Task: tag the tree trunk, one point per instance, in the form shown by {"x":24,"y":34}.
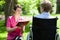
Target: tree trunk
{"x":58,"y":7}
{"x":9,"y":7}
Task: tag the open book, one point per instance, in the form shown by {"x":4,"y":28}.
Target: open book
{"x":23,"y":21}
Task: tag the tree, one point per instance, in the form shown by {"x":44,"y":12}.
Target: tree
{"x":29,"y":6}
{"x":58,"y":6}
{"x":9,"y":7}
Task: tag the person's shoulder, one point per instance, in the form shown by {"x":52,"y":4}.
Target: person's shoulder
{"x":52,"y":16}
{"x":10,"y":17}
{"x":37,"y":15}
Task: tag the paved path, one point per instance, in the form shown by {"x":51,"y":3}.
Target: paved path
{"x":2,"y":17}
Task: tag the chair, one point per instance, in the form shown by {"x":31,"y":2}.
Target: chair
{"x":44,"y":29}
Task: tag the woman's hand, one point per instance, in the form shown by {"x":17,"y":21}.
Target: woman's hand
{"x":21,"y":24}
{"x":22,"y":27}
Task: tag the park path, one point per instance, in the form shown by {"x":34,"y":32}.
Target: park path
{"x":2,"y":17}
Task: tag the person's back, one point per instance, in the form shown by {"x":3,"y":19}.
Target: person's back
{"x":44,"y":15}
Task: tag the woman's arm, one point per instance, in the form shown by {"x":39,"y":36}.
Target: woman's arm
{"x":8,"y":25}
{"x":11,"y":29}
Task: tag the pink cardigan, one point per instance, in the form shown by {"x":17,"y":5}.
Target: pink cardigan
{"x":11,"y":22}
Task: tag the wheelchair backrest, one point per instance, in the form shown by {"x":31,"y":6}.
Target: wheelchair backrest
{"x":44,"y":29}
{"x":44,"y":23}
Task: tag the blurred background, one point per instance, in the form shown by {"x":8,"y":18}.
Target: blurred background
{"x":29,"y":8}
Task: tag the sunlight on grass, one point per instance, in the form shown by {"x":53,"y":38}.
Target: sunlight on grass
{"x":25,"y":35}
{"x":3,"y":36}
{"x":58,"y":22}
{"x":58,"y":25}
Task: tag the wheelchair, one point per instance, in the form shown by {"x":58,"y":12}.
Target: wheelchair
{"x":43,"y":29}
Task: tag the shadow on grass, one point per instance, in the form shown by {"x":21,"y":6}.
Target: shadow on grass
{"x":2,"y":26}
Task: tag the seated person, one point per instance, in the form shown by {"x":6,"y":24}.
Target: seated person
{"x":42,"y":27}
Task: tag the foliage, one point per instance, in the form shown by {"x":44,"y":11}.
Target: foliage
{"x":29,"y":6}
{"x":2,"y":3}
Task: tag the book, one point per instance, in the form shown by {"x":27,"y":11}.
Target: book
{"x":23,"y":21}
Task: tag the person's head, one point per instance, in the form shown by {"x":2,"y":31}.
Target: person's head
{"x":17,"y":9}
{"x":45,"y":7}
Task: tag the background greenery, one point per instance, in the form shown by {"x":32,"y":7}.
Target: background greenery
{"x":29,"y":7}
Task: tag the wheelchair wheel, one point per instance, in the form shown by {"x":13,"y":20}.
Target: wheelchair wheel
{"x":29,"y":37}
{"x":57,"y":37}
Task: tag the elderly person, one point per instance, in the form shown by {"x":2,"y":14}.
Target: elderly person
{"x":45,"y":8}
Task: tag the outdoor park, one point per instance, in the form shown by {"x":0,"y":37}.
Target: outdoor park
{"x":29,"y":9}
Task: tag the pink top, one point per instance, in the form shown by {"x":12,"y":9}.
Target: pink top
{"x":11,"y":22}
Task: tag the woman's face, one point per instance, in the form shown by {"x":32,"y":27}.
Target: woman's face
{"x":18,"y":11}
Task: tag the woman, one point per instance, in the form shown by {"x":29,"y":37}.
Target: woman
{"x":12,"y":21}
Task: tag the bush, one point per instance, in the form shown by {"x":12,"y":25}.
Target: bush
{"x":29,"y":6}
{"x":2,"y":3}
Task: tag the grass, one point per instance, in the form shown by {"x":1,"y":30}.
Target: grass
{"x":3,"y":32}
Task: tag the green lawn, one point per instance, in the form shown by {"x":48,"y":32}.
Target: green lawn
{"x":3,"y":32}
